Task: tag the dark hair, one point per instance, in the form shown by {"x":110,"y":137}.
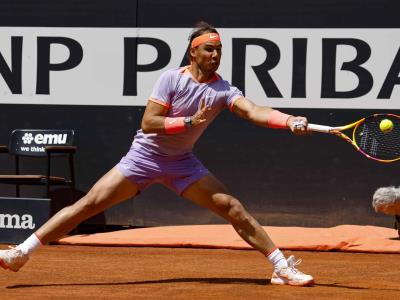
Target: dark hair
{"x":200,"y":28}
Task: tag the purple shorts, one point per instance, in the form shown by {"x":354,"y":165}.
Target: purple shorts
{"x":175,"y":172}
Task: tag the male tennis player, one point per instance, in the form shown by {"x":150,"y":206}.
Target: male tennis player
{"x":183,"y":103}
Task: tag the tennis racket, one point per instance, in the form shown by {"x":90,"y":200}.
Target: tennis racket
{"x":368,"y":138}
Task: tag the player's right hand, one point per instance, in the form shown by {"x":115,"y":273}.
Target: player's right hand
{"x":298,"y":125}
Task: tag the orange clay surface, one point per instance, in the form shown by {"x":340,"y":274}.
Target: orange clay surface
{"x":81,"y":272}
{"x":348,"y":238}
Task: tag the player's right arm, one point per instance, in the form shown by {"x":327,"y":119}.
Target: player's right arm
{"x":155,"y":118}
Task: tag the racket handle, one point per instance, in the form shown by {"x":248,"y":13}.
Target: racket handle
{"x":319,"y":128}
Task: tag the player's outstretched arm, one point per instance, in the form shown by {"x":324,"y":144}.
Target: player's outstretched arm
{"x":265,"y":116}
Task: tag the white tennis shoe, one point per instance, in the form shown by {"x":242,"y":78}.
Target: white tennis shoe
{"x":12,"y":259}
{"x":291,"y":275}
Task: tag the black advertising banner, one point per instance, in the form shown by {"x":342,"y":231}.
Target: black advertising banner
{"x":20,"y":217}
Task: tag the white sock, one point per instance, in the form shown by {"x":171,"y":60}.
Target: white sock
{"x":30,"y":244}
{"x":278,"y":260}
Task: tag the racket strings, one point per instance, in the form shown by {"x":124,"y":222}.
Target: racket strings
{"x":375,"y":143}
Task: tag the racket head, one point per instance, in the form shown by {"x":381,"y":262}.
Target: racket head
{"x":375,"y":144}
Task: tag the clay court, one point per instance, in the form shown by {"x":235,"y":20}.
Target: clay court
{"x":81,"y":272}
{"x":198,"y":268}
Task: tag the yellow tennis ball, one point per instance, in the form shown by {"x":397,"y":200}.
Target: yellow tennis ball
{"x":386,"y":126}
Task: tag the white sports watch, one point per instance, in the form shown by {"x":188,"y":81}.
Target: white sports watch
{"x":188,"y":121}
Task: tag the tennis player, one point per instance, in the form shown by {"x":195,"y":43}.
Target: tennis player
{"x":183,"y":103}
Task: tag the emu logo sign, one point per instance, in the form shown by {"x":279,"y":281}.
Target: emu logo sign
{"x":47,"y":139}
{"x":17,"y":222}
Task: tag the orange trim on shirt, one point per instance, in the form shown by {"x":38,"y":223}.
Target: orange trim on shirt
{"x":215,"y":78}
{"x":159,"y":102}
{"x":185,"y":70}
{"x":233,"y":102}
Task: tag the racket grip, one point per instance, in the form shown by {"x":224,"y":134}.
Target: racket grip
{"x":319,"y":128}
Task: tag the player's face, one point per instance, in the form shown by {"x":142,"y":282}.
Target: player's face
{"x":208,"y":55}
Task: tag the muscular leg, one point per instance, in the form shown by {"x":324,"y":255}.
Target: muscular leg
{"x":111,"y":189}
{"x":209,"y":192}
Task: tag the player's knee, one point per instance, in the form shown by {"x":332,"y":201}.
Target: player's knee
{"x":236,"y":212}
{"x":230,"y":208}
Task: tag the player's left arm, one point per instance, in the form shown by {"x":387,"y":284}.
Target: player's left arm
{"x":265,"y":116}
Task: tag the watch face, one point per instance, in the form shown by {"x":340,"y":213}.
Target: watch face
{"x":188,"y":121}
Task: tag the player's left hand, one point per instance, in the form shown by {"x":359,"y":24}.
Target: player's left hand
{"x":298,"y":125}
{"x":200,"y":116}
